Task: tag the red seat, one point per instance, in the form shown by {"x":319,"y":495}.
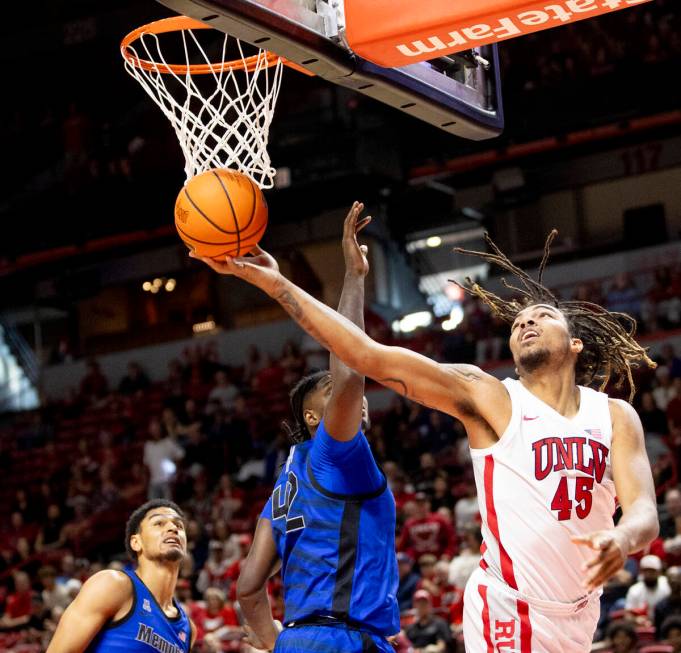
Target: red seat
{"x":646,"y":634}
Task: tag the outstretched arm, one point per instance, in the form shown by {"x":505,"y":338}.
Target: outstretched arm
{"x":636,"y":495}
{"x":344,"y":410}
{"x":463,"y":391}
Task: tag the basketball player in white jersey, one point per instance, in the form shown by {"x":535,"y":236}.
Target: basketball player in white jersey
{"x":551,"y":458}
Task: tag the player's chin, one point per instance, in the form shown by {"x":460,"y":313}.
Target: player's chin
{"x":171,"y":554}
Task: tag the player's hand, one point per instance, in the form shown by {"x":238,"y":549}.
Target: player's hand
{"x":253,"y":640}
{"x":355,"y":255}
{"x":612,"y":554}
{"x":258,"y":268}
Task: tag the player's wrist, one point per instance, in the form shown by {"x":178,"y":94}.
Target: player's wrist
{"x":276,"y":286}
{"x":277,"y":627}
{"x":623,"y":540}
{"x":354,"y":276}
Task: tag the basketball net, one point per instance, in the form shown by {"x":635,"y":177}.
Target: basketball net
{"x":223,"y":123}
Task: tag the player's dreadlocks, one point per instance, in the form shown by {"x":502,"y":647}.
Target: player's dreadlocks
{"x":610,"y":351}
{"x":298,"y":431}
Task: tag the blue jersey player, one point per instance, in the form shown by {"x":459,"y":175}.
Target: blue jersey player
{"x":330,"y":522}
{"x":135,"y":610}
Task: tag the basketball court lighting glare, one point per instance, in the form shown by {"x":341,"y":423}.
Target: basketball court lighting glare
{"x":170,"y":285}
{"x":413,"y":321}
{"x":434,"y":241}
{"x":202,"y":327}
{"x":454,"y":319}
{"x":146,"y":286}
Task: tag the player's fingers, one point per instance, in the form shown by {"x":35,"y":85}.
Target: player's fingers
{"x":583,"y":539}
{"x":602,"y":573}
{"x":594,"y":540}
{"x":258,"y":251}
{"x":603,"y":541}
{"x":609,"y":559}
{"x":234,"y":266}
{"x":596,"y":560}
{"x":211,"y":263}
{"x":350,"y":219}
{"x":362,"y":223}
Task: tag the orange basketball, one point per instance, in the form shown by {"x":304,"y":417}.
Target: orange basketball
{"x":221,"y":213}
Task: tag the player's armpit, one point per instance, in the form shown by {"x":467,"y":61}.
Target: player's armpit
{"x":101,"y":599}
{"x":633,"y":477}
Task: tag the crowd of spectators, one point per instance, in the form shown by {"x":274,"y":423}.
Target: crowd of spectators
{"x":653,"y":299}
{"x":595,"y":48}
{"x":76,"y":469}
{"x":201,"y":438}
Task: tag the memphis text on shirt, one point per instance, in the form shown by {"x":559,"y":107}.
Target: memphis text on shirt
{"x":505,"y":27}
{"x":147,"y":635}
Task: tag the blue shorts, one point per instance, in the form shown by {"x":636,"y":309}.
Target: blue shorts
{"x":329,"y":639}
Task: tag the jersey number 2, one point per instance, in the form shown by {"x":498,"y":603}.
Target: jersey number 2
{"x":280,"y":511}
{"x":583,"y":499}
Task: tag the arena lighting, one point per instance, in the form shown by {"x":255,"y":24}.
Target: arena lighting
{"x":462,"y":237}
{"x":454,"y":319}
{"x":434,"y":241}
{"x":202,"y":327}
{"x":155,"y":286}
{"x":412,"y":322}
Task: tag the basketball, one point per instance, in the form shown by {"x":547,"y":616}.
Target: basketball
{"x":220,"y":213}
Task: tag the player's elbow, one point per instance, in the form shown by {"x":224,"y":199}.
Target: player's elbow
{"x":362,"y":355}
{"x":247,"y":586}
{"x":654,"y":528}
{"x":650,"y":528}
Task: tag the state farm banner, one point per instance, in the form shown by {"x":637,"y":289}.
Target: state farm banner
{"x":395,"y":33}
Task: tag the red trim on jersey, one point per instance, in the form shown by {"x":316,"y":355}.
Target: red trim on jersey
{"x":482,"y":590}
{"x":525,"y":627}
{"x":506,"y":562}
{"x":483,"y":565}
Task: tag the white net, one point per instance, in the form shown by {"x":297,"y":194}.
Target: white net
{"x":221,"y":116}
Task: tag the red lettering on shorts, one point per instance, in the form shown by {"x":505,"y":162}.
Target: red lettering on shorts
{"x":504,"y":635}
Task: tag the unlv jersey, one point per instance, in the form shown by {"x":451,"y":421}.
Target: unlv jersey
{"x":546,"y":479}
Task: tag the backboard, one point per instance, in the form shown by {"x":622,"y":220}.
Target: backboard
{"x":460,"y":94}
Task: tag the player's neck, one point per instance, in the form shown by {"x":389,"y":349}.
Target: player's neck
{"x":161,"y":579}
{"x":556,"y":389}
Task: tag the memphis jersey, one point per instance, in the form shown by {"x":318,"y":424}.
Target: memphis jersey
{"x":146,"y":628}
{"x":546,"y":479}
{"x":337,"y":551}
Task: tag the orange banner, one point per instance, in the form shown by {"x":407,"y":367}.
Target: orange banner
{"x":394,"y":33}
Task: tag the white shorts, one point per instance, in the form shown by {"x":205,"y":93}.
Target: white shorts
{"x":496,"y":618}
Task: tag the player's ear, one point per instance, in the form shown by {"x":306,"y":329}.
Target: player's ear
{"x":136,"y":543}
{"x":576,"y":345}
{"x":311,"y":417}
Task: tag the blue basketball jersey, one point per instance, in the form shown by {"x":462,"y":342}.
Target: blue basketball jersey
{"x":337,"y":551}
{"x":145,"y":628}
